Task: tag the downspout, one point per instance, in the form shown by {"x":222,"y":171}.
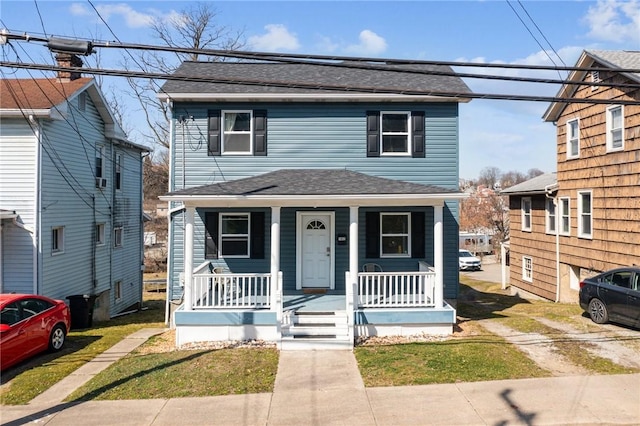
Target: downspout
{"x":37,"y":223}
{"x":548,"y":191}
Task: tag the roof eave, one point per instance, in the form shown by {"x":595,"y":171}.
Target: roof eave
{"x":308,"y":97}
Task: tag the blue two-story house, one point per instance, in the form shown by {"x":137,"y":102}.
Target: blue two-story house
{"x":312,"y":204}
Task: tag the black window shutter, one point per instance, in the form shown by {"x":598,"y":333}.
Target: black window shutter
{"x":417,"y":134}
{"x":373,"y":133}
{"x":372,"y":237}
{"x":214,"y":133}
{"x":260,"y":132}
{"x":257,"y":235}
{"x":211,"y":236}
{"x":417,"y":235}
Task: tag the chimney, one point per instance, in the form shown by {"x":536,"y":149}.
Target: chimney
{"x":67,"y":60}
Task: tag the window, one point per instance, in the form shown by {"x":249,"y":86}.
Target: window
{"x":551,"y":216}
{"x":615,"y":128}
{"x":527,"y":268}
{"x":57,"y":239}
{"x":117,"y":290}
{"x":619,"y":279}
{"x":585,"y":217}
{"x":573,"y":139}
{"x":526,"y":213}
{"x":236,"y":135}
{"x":118,"y":171}
{"x":99,"y":234}
{"x":565,"y":222}
{"x":82,"y":101}
{"x":595,"y":78}
{"x":99,"y":161}
{"x":395,"y":230}
{"x":234,"y":235}
{"x":395,"y":133}
{"x":117,"y":236}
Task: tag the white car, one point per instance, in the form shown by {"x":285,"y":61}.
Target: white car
{"x":468,"y":262}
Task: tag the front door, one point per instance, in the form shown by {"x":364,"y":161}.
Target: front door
{"x":315,"y":249}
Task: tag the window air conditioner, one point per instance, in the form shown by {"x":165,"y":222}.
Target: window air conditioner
{"x":101,"y":182}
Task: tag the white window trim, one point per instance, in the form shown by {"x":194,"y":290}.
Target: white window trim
{"x":223,"y":132}
{"x":610,"y":147}
{"x":408,"y":235}
{"x":60,"y":233}
{"x":117,"y":229}
{"x":527,"y":274}
{"x":221,"y":235}
{"x":581,"y":213}
{"x":383,"y":133}
{"x":524,"y":214}
{"x":568,"y":137}
{"x":562,"y":214}
{"x":100,"y":153}
{"x":549,"y":219}
{"x":100,"y":235}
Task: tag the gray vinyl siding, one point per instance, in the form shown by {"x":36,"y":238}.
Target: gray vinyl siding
{"x":322,"y":135}
{"x":18,"y":183}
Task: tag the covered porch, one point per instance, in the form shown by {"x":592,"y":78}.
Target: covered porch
{"x":405,"y":297}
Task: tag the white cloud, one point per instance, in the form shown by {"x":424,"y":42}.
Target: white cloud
{"x":614,"y":21}
{"x":370,"y":44}
{"x":277,"y":38}
{"x":132,"y":18}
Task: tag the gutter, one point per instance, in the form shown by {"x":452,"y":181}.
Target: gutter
{"x":549,"y":190}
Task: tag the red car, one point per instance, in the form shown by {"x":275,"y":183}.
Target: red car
{"x":30,"y":324}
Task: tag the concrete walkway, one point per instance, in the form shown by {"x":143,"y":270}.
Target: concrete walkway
{"x":325,"y":388}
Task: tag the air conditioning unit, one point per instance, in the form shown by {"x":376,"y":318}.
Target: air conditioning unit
{"x":101,"y":182}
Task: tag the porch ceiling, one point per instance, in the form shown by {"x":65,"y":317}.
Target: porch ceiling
{"x":315,"y":188}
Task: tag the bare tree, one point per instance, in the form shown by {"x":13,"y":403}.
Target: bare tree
{"x":195,"y":28}
{"x":489,"y":177}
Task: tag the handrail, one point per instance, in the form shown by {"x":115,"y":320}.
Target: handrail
{"x":230,"y":290}
{"x":396,"y":289}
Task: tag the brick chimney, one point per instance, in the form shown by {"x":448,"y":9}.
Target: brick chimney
{"x":68,"y":60}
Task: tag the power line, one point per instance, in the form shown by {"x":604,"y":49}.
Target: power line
{"x":328,"y":87}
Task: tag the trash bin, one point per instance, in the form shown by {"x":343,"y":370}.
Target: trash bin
{"x":81,"y":307}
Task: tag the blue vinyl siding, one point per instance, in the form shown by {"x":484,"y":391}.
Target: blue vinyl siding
{"x":318,"y":135}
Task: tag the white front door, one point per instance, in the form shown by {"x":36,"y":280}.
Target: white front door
{"x":315,"y":249}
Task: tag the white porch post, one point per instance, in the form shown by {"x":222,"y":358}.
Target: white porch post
{"x":438,"y":255}
{"x":353,"y":244}
{"x":188,"y":258}
{"x":275,"y":255}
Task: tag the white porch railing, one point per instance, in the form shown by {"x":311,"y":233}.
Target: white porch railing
{"x":227,"y":290}
{"x":396,"y":289}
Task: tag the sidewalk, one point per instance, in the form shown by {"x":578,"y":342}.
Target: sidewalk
{"x":325,"y":388}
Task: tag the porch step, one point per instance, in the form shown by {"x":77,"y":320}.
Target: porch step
{"x":315,"y":330}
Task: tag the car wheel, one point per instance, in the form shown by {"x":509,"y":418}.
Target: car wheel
{"x":598,"y":311}
{"x":56,"y":338}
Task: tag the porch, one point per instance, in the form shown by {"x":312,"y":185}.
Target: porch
{"x":247,"y":306}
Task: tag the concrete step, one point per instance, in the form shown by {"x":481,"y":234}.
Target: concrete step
{"x":290,"y":343}
{"x":315,"y":331}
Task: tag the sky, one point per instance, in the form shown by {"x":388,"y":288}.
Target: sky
{"x":509,"y":135}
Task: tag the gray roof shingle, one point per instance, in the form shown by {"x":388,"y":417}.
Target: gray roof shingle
{"x":535,"y":185}
{"x":309,"y":74}
{"x":622,"y":59}
{"x":316,"y":182}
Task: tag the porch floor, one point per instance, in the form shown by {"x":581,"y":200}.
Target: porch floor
{"x":314,"y":302}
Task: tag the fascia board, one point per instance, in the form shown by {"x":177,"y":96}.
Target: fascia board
{"x":305,"y":97}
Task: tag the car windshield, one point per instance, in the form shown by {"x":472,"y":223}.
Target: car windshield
{"x":465,"y":254}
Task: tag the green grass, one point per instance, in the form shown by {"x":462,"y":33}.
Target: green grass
{"x":184,"y":374}
{"x":457,"y":360}
{"x":23,"y":383}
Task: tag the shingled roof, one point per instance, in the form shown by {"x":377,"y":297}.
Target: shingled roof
{"x":536,"y":185}
{"x":314,"y":182}
{"x":282,"y":78}
{"x":37,"y":93}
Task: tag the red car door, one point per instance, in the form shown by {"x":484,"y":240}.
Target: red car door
{"x":14,"y":338}
{"x":36,"y":324}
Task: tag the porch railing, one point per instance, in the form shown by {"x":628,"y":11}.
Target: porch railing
{"x":227,"y":290}
{"x":396,"y":289}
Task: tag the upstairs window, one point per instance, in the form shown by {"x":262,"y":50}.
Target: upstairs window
{"x":395,"y":133}
{"x":117,"y":236}
{"x":573,"y":139}
{"x":100,"y":162}
{"x":585,"y":217}
{"x":565,"y":217}
{"x":395,"y":229}
{"x":526,"y":214}
{"x":57,"y":240}
{"x":118,"y":167}
{"x":100,"y":233}
{"x":615,"y":128}
{"x":237,"y":132}
{"x":551,"y":216}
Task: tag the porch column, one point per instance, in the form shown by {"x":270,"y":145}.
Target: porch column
{"x":438,"y":255}
{"x":353,"y":246}
{"x":188,"y":258}
{"x":275,"y":254}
